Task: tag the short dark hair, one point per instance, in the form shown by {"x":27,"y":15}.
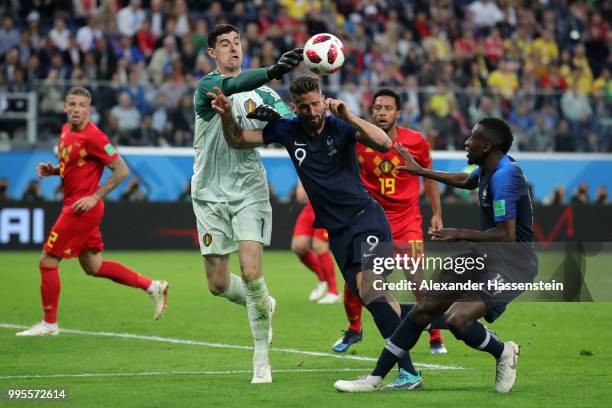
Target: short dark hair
{"x":218,"y":30}
{"x":498,"y":132}
{"x":303,"y":84}
{"x":78,"y":91}
{"x":388,"y":92}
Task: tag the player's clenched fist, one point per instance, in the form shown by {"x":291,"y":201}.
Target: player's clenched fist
{"x":45,"y":170}
{"x":338,"y":108}
{"x":220,"y":103}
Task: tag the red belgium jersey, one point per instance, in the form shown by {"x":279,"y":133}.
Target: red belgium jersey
{"x":397,"y":192}
{"x":82,"y":158}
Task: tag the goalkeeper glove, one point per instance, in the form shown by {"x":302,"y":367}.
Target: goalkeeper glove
{"x":286,"y":63}
{"x":265,"y":113}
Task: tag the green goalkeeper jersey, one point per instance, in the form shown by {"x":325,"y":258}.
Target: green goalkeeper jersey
{"x":220,"y":172}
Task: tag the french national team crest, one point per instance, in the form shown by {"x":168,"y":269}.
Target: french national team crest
{"x":207,"y":240}
{"x":249,"y":105}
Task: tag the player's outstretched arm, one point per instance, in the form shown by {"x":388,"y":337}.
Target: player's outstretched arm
{"x":119,"y":172}
{"x":459,"y":180}
{"x":368,"y":134}
{"x":234,"y":134}
{"x":47,"y":169}
{"x":254,"y":78}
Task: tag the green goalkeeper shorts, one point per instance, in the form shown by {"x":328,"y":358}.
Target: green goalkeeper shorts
{"x":222,"y":225}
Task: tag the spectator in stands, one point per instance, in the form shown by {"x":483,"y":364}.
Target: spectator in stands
{"x":4,"y":194}
{"x":577,"y":110}
{"x":486,"y":108}
{"x":135,"y":90}
{"x":557,"y":197}
{"x":601,"y":198}
{"x":145,"y":39}
{"x":180,"y":14}
{"x":60,"y":35}
{"x":128,"y":50}
{"x":449,"y":195}
{"x":522,"y":121}
{"x":89,"y":34}
{"x":539,"y":138}
{"x":9,"y":35}
{"x":185,"y":196}
{"x":564,"y":141}
{"x":183,"y":120}
{"x":130,"y":18}
{"x":73,"y":55}
{"x":162,"y":57}
{"x":105,"y":59}
{"x":32,"y":192}
{"x":503,"y":80}
{"x":147,"y":134}
{"x":133,"y":193}
{"x":125,"y":121}
{"x":485,"y":12}
{"x":581,"y":196}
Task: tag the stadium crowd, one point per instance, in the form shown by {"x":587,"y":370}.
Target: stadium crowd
{"x":542,"y":65}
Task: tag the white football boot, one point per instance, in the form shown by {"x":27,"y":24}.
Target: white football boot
{"x":40,"y":329}
{"x":318,"y":292}
{"x":505,"y":371}
{"x":159,"y":296}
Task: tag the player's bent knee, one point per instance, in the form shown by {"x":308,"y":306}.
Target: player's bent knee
{"x":457,"y":322}
{"x":47,"y":261}
{"x":215,"y":288}
{"x":250,"y":272}
{"x":299,"y":247}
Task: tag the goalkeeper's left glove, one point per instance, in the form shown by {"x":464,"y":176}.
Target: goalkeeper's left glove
{"x":265,"y":113}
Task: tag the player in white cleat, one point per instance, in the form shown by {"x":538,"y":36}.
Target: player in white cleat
{"x":159,"y":295}
{"x":329,"y":299}
{"x":505,"y":371}
{"x":369,"y":383}
{"x":318,"y":292}
{"x":40,"y":329}
{"x":262,"y":373}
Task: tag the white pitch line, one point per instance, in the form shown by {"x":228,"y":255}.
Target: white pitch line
{"x":169,"y":373}
{"x":226,"y":346}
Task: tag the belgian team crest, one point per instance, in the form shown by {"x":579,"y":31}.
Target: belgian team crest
{"x":386,"y":167}
{"x":207,"y":240}
{"x":249,"y":105}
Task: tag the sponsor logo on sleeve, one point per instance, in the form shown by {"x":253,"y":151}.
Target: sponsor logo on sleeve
{"x":110,"y":150}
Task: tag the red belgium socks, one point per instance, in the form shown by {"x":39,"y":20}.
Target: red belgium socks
{"x":352,"y":307}
{"x":311,"y":261}
{"x":328,"y":271}
{"x":49,"y":292}
{"x":122,"y":274}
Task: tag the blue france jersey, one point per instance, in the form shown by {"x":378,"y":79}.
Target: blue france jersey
{"x":504,"y":195}
{"x":327,"y":166}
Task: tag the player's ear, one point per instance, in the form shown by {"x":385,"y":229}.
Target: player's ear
{"x":293,"y":107}
{"x":211,"y":52}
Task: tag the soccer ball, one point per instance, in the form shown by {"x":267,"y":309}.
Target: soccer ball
{"x":323,"y":54}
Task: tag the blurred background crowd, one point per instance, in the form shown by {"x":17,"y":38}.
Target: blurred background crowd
{"x":542,"y":65}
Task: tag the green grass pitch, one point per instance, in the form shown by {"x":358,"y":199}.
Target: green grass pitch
{"x":566,"y":348}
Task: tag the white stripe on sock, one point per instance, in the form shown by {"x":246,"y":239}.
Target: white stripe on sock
{"x":485,"y":342}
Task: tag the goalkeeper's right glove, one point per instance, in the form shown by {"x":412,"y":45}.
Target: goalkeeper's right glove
{"x":286,"y":63}
{"x":265,"y":113}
